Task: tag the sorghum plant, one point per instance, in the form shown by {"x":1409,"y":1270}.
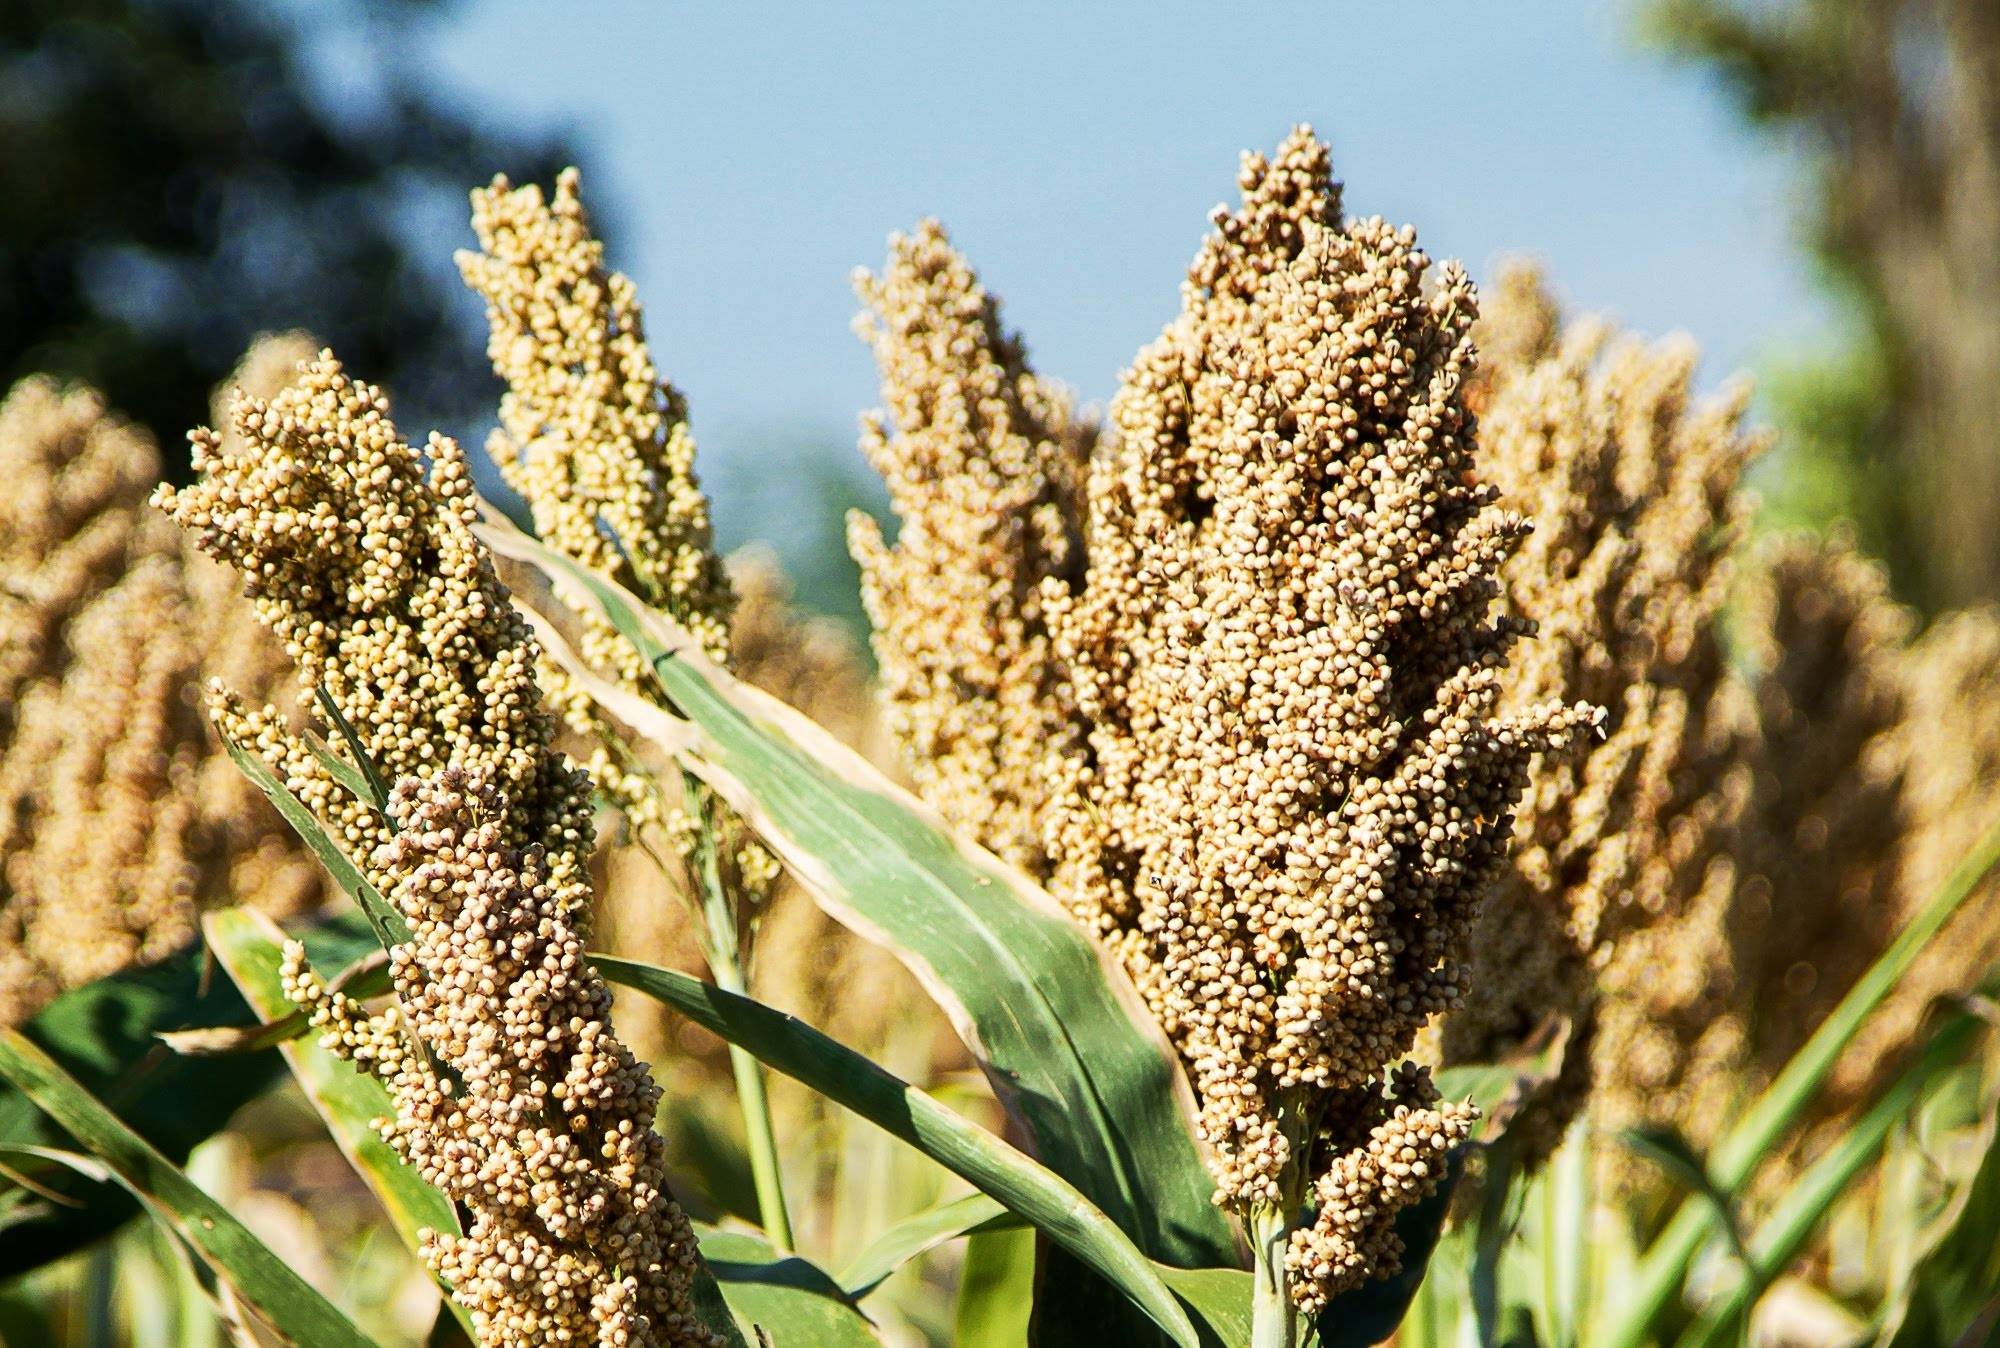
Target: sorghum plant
{"x":513,"y":1095}
{"x":1285,"y":780}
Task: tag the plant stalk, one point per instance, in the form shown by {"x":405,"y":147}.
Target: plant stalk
{"x":1274,"y":1320}
{"x":721,"y":944}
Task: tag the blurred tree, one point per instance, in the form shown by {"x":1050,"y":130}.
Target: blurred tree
{"x":181,"y":174}
{"x":1898,"y":105}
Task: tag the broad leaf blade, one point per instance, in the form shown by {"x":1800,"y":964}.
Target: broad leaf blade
{"x":250,"y":948}
{"x":259,"y":1276}
{"x":996,"y":1290}
{"x":843,"y":1076}
{"x":787,"y":1297}
{"x":1072,"y":1052}
{"x":105,"y":1034}
{"x":925,"y":1231}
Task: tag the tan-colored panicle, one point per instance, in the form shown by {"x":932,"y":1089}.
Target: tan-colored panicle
{"x":119,"y":816}
{"x":590,"y":435}
{"x":1297,"y":780}
{"x":543,"y":1131}
{"x":984,"y":462}
{"x":1633,"y":486}
{"x":598,"y":444}
{"x":366,"y":569}
{"x":523,"y":1106}
{"x":1948,"y":752}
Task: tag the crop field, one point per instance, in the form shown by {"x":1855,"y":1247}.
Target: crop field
{"x":1381,"y":832}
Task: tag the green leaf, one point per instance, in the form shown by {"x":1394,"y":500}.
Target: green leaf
{"x":1071,"y":1050}
{"x":996,"y":1290}
{"x":260,"y":1277}
{"x":362,"y":779}
{"x":925,"y":1231}
{"x":1219,"y":1299}
{"x":791,"y":1299}
{"x":1563,"y":1250}
{"x":250,"y":948}
{"x":390,"y":929}
{"x":843,"y":1076}
{"x":1676,"y":1158}
{"x":1656,"y":1289}
{"x":105,"y":1034}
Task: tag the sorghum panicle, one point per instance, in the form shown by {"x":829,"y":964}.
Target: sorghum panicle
{"x":984,"y":462}
{"x":1633,"y":485}
{"x":543,"y":1129}
{"x":521,"y":1105}
{"x":1298,"y":780}
{"x":599,"y":446}
{"x":119,"y":817}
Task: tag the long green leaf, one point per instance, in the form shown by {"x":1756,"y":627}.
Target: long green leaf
{"x":250,"y":948}
{"x":1070,"y":1049}
{"x":925,"y":1231}
{"x":106,"y":1035}
{"x":1664,"y":1268}
{"x":260,"y":1277}
{"x":390,"y":928}
{"x":792,"y":1300}
{"x":843,"y":1076}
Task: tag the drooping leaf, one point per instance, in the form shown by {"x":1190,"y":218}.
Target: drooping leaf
{"x":1798,"y":1212}
{"x":105,"y":1034}
{"x":1956,"y":1279}
{"x":789,"y":1298}
{"x":788,"y":1045}
{"x":1219,"y":1299}
{"x":1072,"y":1052}
{"x":259,"y":1277}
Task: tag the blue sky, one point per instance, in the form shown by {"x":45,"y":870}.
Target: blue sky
{"x":753,"y":154}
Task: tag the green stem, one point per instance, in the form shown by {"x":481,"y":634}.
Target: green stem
{"x":721,"y":946}
{"x":1274,"y":1321}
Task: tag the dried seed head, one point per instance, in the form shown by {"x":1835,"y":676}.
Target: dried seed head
{"x":368,"y":573}
{"x":119,"y":817}
{"x":984,"y":463}
{"x":1633,"y":487}
{"x":522,"y":1106}
{"x":590,"y":434}
{"x":599,"y":446}
{"x":1296,"y":781}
